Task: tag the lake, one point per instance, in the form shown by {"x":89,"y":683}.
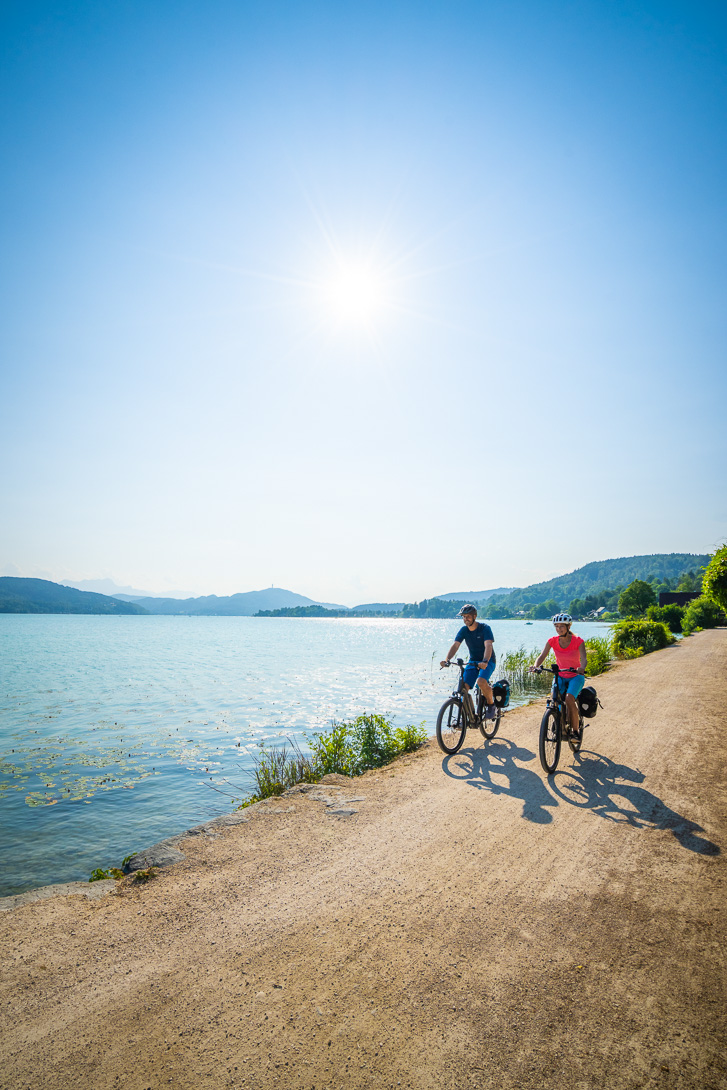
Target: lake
{"x":116,"y":732}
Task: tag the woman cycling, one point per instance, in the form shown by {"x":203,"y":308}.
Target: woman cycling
{"x":570,"y":654}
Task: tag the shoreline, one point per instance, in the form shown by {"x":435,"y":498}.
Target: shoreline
{"x":436,"y":922}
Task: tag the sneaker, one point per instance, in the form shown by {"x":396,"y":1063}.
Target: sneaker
{"x":491,"y":711}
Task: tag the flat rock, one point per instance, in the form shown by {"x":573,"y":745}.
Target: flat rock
{"x":91,"y":890}
{"x":163,"y":854}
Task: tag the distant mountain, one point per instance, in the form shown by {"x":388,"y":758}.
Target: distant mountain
{"x":125,"y":594}
{"x":245,"y":604}
{"x":379,"y":607}
{"x":474,"y":595}
{"x":42,"y":596}
{"x":600,"y":575}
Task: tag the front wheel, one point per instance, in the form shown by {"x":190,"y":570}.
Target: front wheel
{"x":450,"y":726}
{"x":549,"y":741}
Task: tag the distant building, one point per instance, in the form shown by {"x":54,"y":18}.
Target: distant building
{"x":677,"y":597}
{"x":596,"y":613}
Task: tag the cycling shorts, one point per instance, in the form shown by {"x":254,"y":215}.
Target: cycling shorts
{"x":571,"y":685}
{"x":472,"y":672}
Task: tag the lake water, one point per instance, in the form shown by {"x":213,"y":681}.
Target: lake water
{"x":116,"y":732}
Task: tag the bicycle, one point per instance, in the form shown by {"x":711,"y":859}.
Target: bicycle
{"x":459,"y":712}
{"x":555,"y":725}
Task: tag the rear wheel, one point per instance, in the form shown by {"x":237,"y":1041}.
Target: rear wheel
{"x":451,"y":726}
{"x":575,"y":743}
{"x":549,"y":741}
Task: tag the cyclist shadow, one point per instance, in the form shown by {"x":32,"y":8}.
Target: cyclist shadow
{"x":596,"y":783}
{"x":477,"y":766}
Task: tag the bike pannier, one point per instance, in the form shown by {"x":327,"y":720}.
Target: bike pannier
{"x":501,"y":693}
{"x":588,"y":702}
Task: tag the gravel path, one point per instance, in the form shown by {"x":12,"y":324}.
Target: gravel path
{"x":443,"y":923}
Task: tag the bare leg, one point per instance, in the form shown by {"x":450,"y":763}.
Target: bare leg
{"x":572,"y":712}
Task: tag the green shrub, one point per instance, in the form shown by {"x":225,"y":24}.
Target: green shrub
{"x":369,"y":741}
{"x":632,"y":638}
{"x":99,"y":875}
{"x":701,"y":613}
{"x":670,"y":615}
{"x":714,"y":584}
{"x":599,"y":652}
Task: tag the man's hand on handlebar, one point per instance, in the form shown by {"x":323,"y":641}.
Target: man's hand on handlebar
{"x":443,"y":663}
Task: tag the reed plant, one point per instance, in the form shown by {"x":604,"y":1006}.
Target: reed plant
{"x":515,"y":666}
{"x":349,"y":748}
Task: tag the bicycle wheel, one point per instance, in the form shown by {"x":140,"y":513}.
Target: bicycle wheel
{"x":490,"y":727}
{"x":450,"y":726}
{"x":575,"y":743}
{"x":549,"y":741}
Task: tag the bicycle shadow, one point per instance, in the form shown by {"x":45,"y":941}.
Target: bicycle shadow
{"x":596,"y":783}
{"x":477,"y":765}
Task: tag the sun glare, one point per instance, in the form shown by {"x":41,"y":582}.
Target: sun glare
{"x":355,"y":294}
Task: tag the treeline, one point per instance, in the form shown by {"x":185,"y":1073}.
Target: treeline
{"x":597,"y":584}
{"x":429,"y":607}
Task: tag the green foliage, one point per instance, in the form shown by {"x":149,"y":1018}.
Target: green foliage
{"x":599,"y":652}
{"x":636,"y":599}
{"x":714,"y":584}
{"x":144,"y":875}
{"x":690,"y":582}
{"x":670,"y":615}
{"x":545,"y":610}
{"x":598,"y":577}
{"x":99,"y":875}
{"x":632,"y":638}
{"x":348,"y":748}
{"x":701,"y":613}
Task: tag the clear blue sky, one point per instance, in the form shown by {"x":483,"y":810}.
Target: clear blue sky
{"x":329,"y":295}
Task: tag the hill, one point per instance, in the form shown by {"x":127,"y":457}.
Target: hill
{"x":43,"y":596}
{"x":474,"y":595}
{"x":599,"y":575}
{"x":245,"y":604}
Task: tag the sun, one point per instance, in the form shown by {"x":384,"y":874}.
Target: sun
{"x":355,"y":293}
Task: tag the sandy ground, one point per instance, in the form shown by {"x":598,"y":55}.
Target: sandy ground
{"x":470,"y":925}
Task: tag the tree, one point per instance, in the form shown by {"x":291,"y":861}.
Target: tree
{"x":715,"y":578}
{"x":636,"y":599}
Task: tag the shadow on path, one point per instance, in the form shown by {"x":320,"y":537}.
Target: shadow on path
{"x":599,"y":784}
{"x":478,"y":765}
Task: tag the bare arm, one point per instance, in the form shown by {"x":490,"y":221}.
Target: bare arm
{"x":584,"y":657}
{"x":488,"y":654}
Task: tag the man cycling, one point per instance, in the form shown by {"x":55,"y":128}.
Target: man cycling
{"x":570,"y":654}
{"x":481,"y":666}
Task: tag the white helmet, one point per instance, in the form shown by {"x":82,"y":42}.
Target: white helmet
{"x":562,"y":618}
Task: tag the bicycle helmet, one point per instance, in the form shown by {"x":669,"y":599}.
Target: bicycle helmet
{"x":467,"y":609}
{"x":562,"y":618}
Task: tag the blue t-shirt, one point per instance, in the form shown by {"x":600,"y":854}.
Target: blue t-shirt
{"x":476,"y":641}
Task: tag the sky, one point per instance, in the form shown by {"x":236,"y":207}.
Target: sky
{"x":371,"y":302}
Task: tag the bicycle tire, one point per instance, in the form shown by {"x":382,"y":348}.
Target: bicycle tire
{"x":576,"y":743}
{"x":490,"y":727}
{"x":451,"y":727}
{"x":549,"y":744}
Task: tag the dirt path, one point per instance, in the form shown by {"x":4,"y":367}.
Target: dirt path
{"x":471,"y":925}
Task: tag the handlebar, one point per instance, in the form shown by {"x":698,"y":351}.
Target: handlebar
{"x":555,"y":669}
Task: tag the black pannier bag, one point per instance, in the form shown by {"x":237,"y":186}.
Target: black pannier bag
{"x":588,"y":702}
{"x":501,"y":693}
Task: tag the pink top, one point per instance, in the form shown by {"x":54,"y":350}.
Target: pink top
{"x":568,"y":658}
